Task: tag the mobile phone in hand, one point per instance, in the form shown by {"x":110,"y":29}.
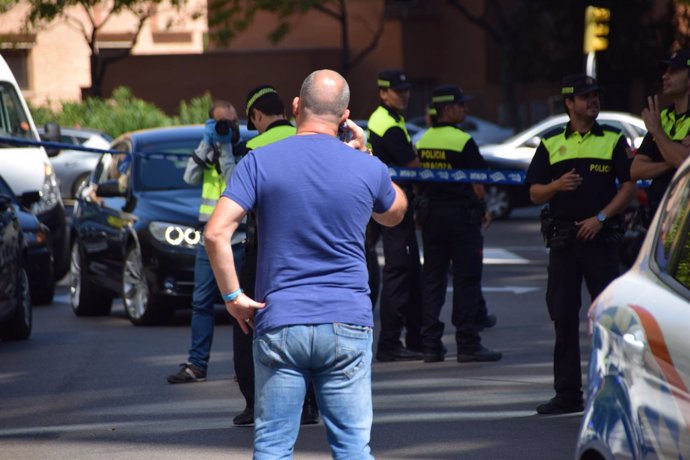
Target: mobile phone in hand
{"x":344,"y":133}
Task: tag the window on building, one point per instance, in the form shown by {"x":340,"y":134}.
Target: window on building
{"x":18,"y":60}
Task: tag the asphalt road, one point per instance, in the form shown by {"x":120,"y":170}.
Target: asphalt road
{"x":94,"y":388}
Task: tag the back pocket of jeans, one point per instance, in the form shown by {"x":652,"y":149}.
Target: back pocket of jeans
{"x":353,"y":348}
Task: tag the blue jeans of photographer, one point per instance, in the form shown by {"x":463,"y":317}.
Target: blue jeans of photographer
{"x":204,"y":299}
{"x":337,"y":358}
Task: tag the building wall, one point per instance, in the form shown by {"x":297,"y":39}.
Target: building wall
{"x":58,"y":57}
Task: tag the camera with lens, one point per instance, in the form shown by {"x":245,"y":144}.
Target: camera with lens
{"x":223,"y":127}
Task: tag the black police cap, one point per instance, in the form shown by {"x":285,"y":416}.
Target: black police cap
{"x":680,"y":59}
{"x":574,"y":85}
{"x":253,"y":96}
{"x":448,"y":93}
{"x":393,"y":79}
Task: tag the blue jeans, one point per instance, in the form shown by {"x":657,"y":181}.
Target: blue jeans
{"x":204,"y":298}
{"x":337,"y":358}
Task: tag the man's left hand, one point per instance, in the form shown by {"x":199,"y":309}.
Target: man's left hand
{"x":243,"y":309}
{"x":588,"y":228}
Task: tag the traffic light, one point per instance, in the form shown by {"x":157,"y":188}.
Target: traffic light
{"x":596,"y":29}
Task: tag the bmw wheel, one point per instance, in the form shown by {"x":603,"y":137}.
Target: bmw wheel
{"x":18,"y":327}
{"x":142,"y":307}
{"x":498,"y":201}
{"x":87,"y":298}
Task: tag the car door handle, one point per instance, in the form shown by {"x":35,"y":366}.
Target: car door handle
{"x":634,"y":343}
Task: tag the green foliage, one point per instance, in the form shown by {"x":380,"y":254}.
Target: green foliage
{"x":194,"y":111}
{"x":229,"y":17}
{"x":121,"y":113}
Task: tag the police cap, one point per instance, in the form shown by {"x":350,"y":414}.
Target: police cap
{"x":680,"y":59}
{"x":256,"y":98}
{"x":574,"y":85}
{"x":393,"y":79}
{"x":448,"y":94}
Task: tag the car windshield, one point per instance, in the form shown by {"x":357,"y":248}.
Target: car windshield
{"x":160,"y":166}
{"x":14,"y":121}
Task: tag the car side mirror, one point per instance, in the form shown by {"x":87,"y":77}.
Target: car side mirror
{"x":51,"y":133}
{"x":29,"y":198}
{"x":108,"y":189}
{"x":533,"y":141}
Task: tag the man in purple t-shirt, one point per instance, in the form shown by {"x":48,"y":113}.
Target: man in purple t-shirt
{"x":313,"y":197}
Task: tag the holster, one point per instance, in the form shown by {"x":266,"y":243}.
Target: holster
{"x":557,"y":233}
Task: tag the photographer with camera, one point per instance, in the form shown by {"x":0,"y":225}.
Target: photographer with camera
{"x":212,"y":164}
{"x":575,"y":170}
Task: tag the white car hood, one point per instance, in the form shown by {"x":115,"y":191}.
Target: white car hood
{"x":23,"y":168}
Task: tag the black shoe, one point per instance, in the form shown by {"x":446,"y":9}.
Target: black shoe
{"x":558,"y":405}
{"x":310,"y":415}
{"x":434,"y":357}
{"x":488,"y":322}
{"x":398,"y":354}
{"x":188,"y":373}
{"x":244,"y":418}
{"x":481,"y":355}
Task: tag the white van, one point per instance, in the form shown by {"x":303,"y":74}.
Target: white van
{"x":27,"y":168}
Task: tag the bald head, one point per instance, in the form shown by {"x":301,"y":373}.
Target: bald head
{"x":325,"y":94}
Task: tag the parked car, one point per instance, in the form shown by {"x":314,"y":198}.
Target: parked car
{"x":638,"y":397}
{"x":73,"y":167}
{"x":138,"y":242}
{"x":27,"y":167}
{"x":39,"y":251}
{"x":519,"y":150}
{"x":15,"y":306}
{"x":482,"y":131}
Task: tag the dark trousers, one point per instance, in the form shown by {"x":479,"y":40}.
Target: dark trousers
{"x":401,"y":286}
{"x":372,"y":237}
{"x":596,"y":263}
{"x":449,"y":236}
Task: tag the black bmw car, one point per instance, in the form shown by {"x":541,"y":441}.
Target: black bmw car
{"x":15,"y":307}
{"x":39,"y":248}
{"x":134,"y":228}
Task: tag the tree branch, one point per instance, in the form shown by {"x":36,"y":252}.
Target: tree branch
{"x":479,"y":21}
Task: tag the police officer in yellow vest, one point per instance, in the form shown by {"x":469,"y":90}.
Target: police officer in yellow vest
{"x":451,"y":219}
{"x":401,"y":278}
{"x":211,"y":164}
{"x":575,"y":170}
{"x":662,"y":150}
{"x":266,"y":114}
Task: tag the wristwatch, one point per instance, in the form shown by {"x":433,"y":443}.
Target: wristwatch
{"x":601,"y":217}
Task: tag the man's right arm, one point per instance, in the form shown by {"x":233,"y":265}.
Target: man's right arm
{"x":396,"y":212}
{"x":643,"y":167}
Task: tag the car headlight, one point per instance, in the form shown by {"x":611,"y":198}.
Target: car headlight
{"x":50,"y":193}
{"x":175,"y":234}
{"x":36,"y":238}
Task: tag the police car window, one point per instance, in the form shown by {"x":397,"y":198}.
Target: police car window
{"x":13,"y":119}
{"x":672,"y":253}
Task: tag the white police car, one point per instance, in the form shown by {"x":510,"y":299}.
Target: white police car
{"x":638,"y":397}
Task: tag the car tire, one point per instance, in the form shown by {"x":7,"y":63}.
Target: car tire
{"x":18,"y":327}
{"x":87,"y":298}
{"x":498,"y":201}
{"x":141,"y":306}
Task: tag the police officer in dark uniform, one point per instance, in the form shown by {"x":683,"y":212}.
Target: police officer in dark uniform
{"x":265,"y":113}
{"x":401,"y":278}
{"x":451,"y":217}
{"x":662,"y":150}
{"x":574,"y":170}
